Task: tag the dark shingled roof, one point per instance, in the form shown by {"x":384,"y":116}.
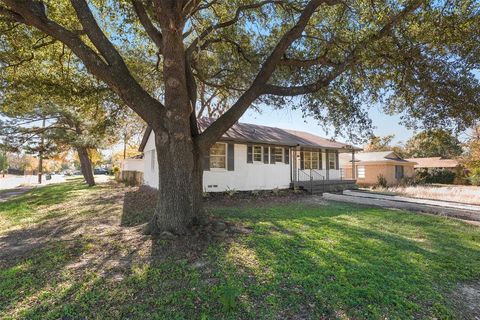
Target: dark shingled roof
{"x":252,"y":133}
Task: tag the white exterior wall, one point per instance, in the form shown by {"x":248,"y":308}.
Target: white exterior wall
{"x":133,"y":165}
{"x":150,"y":164}
{"x":246,"y":176}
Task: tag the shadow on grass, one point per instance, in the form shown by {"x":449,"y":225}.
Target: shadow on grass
{"x":333,"y":261}
{"x":138,"y":206}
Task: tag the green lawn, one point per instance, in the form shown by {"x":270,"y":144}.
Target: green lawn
{"x":298,"y":262}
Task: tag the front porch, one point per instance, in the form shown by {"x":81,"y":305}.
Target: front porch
{"x":318,"y":170}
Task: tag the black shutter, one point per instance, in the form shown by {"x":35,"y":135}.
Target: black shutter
{"x":206,"y":161}
{"x":320,"y":160}
{"x":327,"y":162}
{"x":287,"y":155}
{"x":302,"y":163}
{"x":337,"y":165}
{"x":272,"y":155}
{"x":231,"y":157}
{"x":265,"y":154}
{"x":249,"y":154}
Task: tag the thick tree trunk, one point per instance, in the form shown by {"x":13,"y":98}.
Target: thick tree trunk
{"x":179,"y":159}
{"x":180,"y":185}
{"x":86,"y":166}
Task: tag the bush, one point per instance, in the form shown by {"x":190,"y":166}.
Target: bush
{"x":407,"y":181}
{"x":474,"y":177}
{"x":440,"y":176}
{"x":382,"y":181}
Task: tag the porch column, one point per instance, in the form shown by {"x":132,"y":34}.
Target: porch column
{"x":353,"y":164}
{"x":327,"y":166}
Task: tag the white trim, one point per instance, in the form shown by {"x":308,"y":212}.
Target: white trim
{"x":261,"y":154}
{"x":225,"y":156}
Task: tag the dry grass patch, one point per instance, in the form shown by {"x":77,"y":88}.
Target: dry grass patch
{"x":462,"y":194}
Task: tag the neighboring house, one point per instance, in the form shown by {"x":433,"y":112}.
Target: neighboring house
{"x":427,"y":165}
{"x":368,"y":166}
{"x":254,"y":157}
{"x":436,"y":163}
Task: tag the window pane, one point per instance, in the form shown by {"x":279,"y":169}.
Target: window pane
{"x":307,"y":159}
{"x":315,"y":164}
{"x":361,"y":172}
{"x":331,"y":161}
{"x":217,"y":162}
{"x":218,"y":149}
{"x":278,"y":154}
{"x":315,"y":156}
{"x":257,"y":153}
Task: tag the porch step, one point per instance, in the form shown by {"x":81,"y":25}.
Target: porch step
{"x":319,"y":187}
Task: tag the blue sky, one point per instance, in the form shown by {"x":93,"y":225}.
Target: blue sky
{"x":292,"y":119}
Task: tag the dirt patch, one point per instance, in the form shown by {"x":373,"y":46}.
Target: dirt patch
{"x":466,"y":300}
{"x":255,"y":198}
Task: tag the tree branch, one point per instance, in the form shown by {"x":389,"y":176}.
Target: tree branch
{"x":217,"y":128}
{"x":119,"y":78}
{"x":96,"y":35}
{"x":11,"y":15}
{"x":227,"y":23}
{"x":322,"y":60}
{"x":146,"y":22}
{"x":349,"y":60}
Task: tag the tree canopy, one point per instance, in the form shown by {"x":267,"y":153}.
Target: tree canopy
{"x":434,"y":143}
{"x":330,"y":58}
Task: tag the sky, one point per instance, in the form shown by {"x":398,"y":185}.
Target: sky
{"x":292,"y":119}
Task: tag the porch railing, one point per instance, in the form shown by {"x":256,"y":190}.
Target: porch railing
{"x":309,"y":176}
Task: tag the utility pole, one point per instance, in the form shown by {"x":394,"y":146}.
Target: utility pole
{"x":40,"y":153}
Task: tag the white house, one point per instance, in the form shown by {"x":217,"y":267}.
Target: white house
{"x":254,"y":157}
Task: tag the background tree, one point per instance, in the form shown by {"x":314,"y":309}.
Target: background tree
{"x":81,"y":112}
{"x":472,"y":154}
{"x":434,"y":143}
{"x":412,"y":56}
{"x":3,"y":161}
{"x":377,"y":143}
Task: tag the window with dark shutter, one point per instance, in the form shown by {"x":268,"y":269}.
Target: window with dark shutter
{"x":249,"y":154}
{"x":265,"y":154}
{"x":231,"y":157}
{"x":272,"y":155}
{"x":287,"y":155}
{"x":337,"y":164}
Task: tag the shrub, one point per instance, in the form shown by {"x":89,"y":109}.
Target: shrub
{"x":382,"y":181}
{"x":407,"y":181}
{"x":440,"y":176}
{"x":255,"y":193}
{"x":474,"y":177}
{"x":230,"y":192}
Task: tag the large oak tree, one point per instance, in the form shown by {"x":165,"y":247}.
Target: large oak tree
{"x":414,"y":56}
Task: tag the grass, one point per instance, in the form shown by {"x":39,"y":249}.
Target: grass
{"x":298,"y":262}
{"x":463,"y":194}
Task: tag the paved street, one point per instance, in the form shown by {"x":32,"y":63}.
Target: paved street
{"x":11,"y":181}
